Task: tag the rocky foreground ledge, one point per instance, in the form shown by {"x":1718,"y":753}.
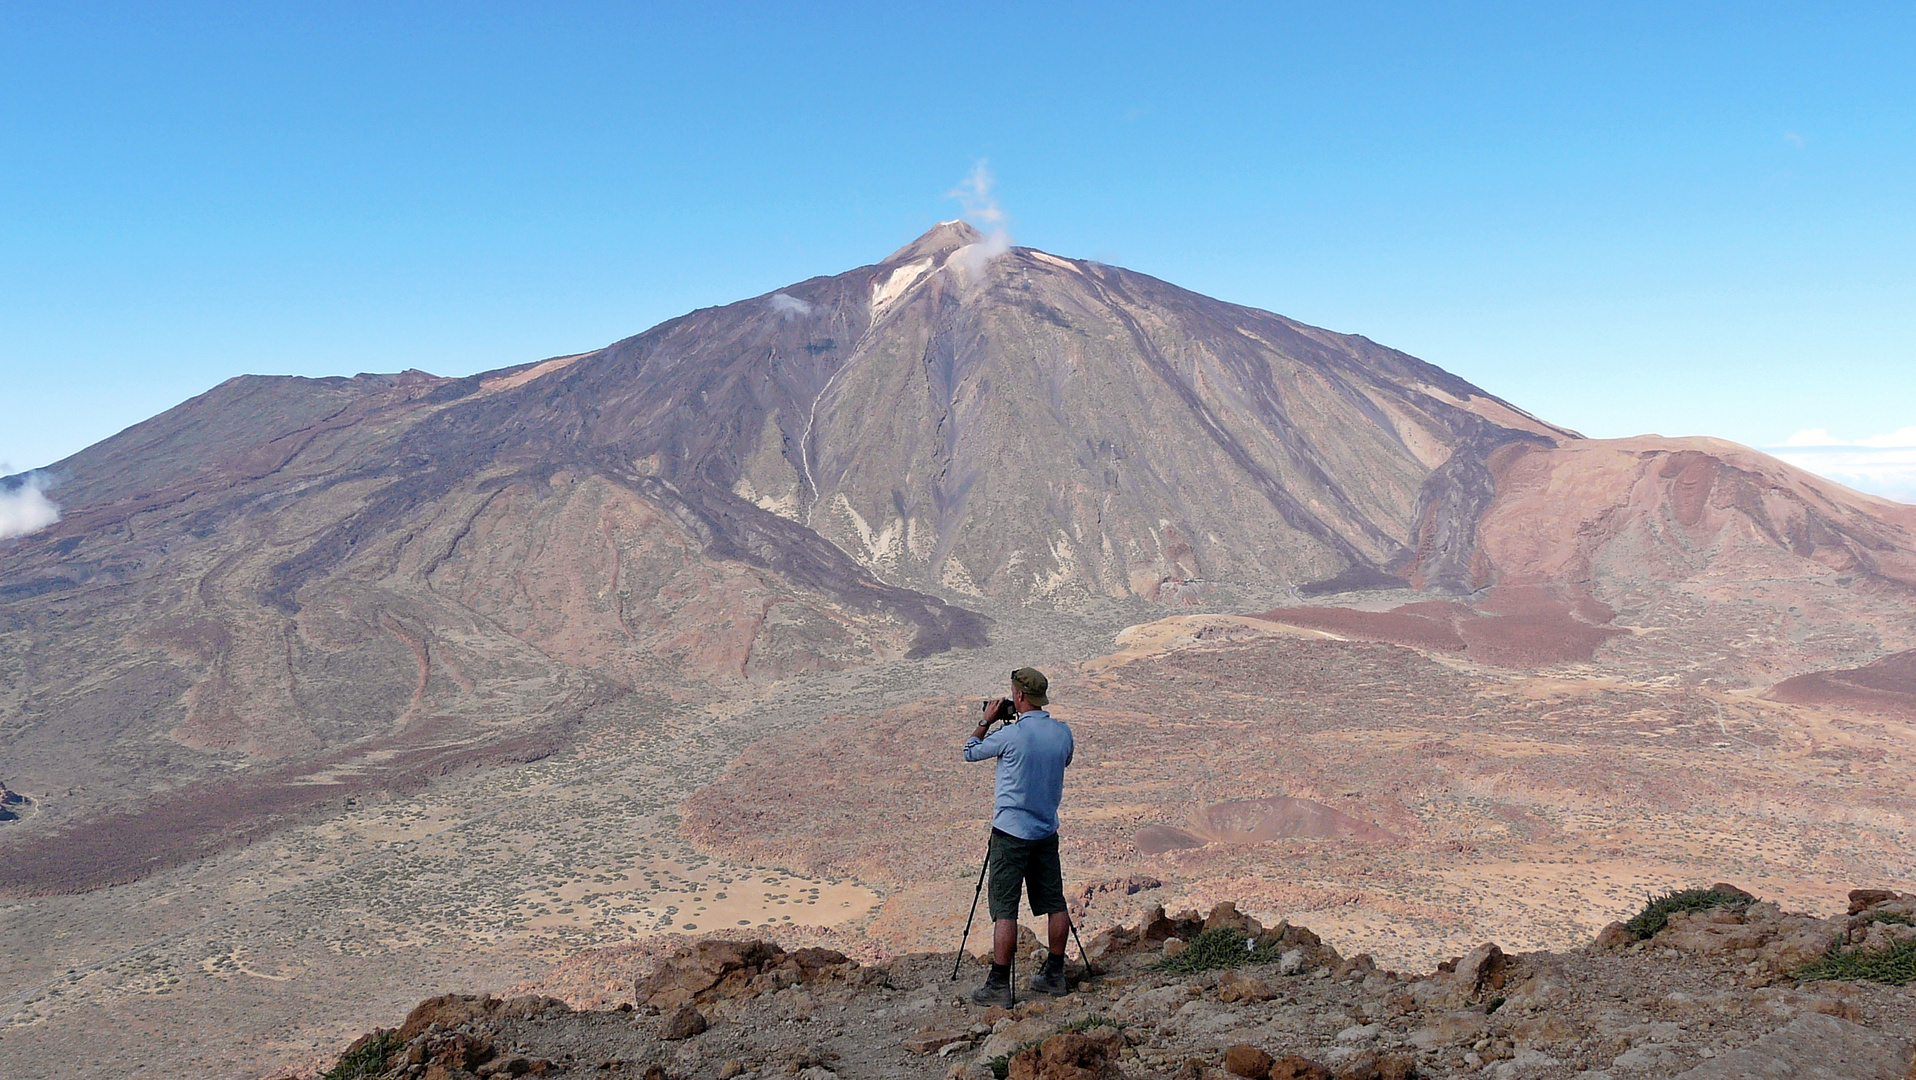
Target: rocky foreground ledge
{"x":1723,"y":987}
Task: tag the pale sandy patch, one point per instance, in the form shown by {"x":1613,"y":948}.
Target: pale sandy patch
{"x":1191,"y":631}
{"x":537,"y":371}
{"x":667,"y":895}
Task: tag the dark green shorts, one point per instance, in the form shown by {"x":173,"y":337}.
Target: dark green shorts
{"x":1032,"y":864}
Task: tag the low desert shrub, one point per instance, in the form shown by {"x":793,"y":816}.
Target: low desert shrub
{"x":365,"y":1062}
{"x":1895,"y":966}
{"x":1224,"y":947}
{"x":1656,"y":914}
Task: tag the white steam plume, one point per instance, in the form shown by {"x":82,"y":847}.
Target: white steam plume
{"x":982,"y":210}
{"x":788,"y":307}
{"x":25,"y":508}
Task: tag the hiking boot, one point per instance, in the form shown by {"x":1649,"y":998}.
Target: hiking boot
{"x":1050,"y":978}
{"x":996,"y":990}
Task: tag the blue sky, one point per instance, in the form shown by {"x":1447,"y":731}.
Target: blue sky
{"x":1682,"y":219}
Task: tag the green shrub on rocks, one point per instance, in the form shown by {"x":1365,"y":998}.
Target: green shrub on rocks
{"x":1896,"y":966}
{"x":1224,"y":947}
{"x":366,"y":1059}
{"x":1656,"y":914}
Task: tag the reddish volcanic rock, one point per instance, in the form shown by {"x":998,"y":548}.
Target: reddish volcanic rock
{"x":713,"y":970}
{"x":1074,"y":1055}
{"x":1298,"y":1067}
{"x":1247,"y":1061}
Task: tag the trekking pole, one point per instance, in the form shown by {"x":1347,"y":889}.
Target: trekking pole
{"x":975,"y":894}
{"x":1082,"y":955}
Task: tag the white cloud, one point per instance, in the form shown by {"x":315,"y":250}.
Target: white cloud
{"x":982,"y":210}
{"x":1901,"y":437}
{"x":789,"y":307}
{"x":1879,"y":464}
{"x":25,"y":508}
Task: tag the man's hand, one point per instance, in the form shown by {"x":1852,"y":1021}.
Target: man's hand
{"x":994,"y":710}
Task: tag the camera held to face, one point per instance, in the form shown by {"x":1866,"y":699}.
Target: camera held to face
{"x":997,"y":711}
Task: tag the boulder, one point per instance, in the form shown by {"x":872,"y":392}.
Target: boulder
{"x":1124,"y":886}
{"x":683,"y":1024}
{"x":1071,"y":1055}
{"x":1157,"y":925}
{"x":1534,"y":984}
{"x":446,"y":1010}
{"x":1450,"y":1029}
{"x":1483,"y":969}
{"x":462,"y":1052}
{"x":451,"y":1010}
{"x":1358,"y":965}
{"x":1298,"y":1067}
{"x":1861,"y":900}
{"x":1226,"y":916}
{"x":926,"y":1041}
{"x":1370,"y":1065}
{"x":1111,"y":941}
{"x":1235,"y":986}
{"x":1013,"y":1035}
{"x":714,"y":970}
{"x":1778,"y":942}
{"x":1248,"y":1061}
{"x":1466,"y":979}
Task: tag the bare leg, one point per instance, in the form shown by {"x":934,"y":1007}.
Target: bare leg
{"x":1060,"y":928}
{"x":1004,"y":938}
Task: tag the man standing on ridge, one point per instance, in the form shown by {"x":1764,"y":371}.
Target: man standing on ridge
{"x":1032,"y":752}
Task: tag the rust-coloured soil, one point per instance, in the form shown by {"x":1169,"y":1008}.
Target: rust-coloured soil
{"x":1414,"y":625}
{"x":1258,"y":821}
{"x":1522,"y":626}
{"x":1888,"y":685}
{"x":203,"y":818}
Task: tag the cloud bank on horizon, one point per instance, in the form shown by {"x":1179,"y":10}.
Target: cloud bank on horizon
{"x":25,"y":508}
{"x":1878,"y":464}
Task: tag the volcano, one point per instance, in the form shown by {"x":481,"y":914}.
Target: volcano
{"x":286,"y":590}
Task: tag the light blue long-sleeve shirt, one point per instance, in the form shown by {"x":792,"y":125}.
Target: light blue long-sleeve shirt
{"x":1032,"y":754}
